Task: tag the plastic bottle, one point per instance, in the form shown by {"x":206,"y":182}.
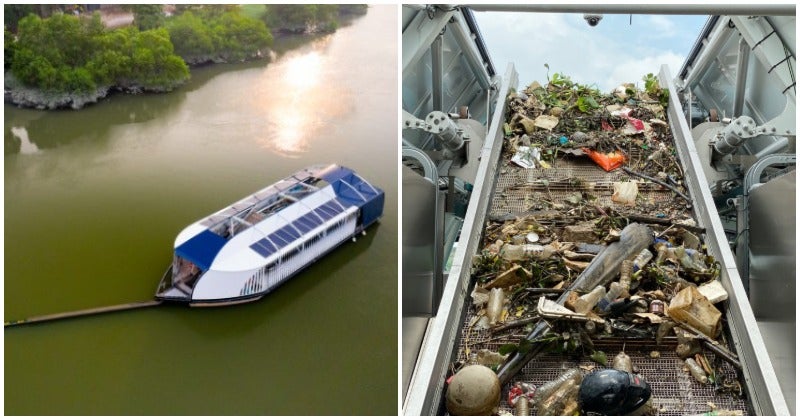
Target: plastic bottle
{"x":585,"y":303}
{"x":560,"y":396}
{"x":511,"y":252}
{"x":495,"y":305}
{"x":625,"y":271}
{"x":696,"y":371}
{"x":614,"y":291}
{"x":642,"y":259}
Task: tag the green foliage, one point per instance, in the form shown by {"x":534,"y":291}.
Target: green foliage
{"x":352,"y":9}
{"x":653,"y":88}
{"x":147,"y":16}
{"x":202,"y":34}
{"x":67,"y":54}
{"x":9,"y":47}
{"x":191,"y":37}
{"x":238,"y":37}
{"x":507,"y":348}
{"x":587,"y":103}
{"x":302,"y":18}
{"x":12,"y":13}
{"x":255,"y":11}
{"x":562,"y":92}
{"x":651,"y":85}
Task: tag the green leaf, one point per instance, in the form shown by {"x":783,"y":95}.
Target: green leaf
{"x":600,"y":357}
{"x":507,"y":349}
{"x":525,"y":346}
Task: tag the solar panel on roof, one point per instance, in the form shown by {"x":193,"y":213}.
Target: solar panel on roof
{"x":303,"y":228}
{"x":288,"y":232}
{"x":278,"y":240}
{"x":263,"y":247}
{"x":300,"y":226}
{"x":310,"y":220}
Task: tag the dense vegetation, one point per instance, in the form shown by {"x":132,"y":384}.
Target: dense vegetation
{"x":211,"y":34}
{"x":306,"y":18}
{"x":65,"y":55}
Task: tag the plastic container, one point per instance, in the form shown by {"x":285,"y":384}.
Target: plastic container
{"x":625,"y":193}
{"x":691,"y":307}
{"x":585,"y":303}
{"x":713,"y":291}
{"x":511,"y":252}
{"x":560,"y":396}
{"x":642,"y":259}
{"x":697,"y":372}
{"x":494,"y":308}
{"x":614,"y":291}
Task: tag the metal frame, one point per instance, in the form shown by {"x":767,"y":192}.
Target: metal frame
{"x":426,"y":382}
{"x":766,"y":395}
{"x":650,"y":9}
{"x":751,"y":178}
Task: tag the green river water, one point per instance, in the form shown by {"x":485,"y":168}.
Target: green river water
{"x":93,"y":202}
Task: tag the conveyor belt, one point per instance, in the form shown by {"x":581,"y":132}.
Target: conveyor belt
{"x":517,"y":191}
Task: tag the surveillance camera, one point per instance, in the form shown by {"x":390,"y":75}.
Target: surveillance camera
{"x":592,"y":19}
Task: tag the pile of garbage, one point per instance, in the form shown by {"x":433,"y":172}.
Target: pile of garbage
{"x":569,"y":273}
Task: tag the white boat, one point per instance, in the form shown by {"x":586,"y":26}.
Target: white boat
{"x":249,"y":248}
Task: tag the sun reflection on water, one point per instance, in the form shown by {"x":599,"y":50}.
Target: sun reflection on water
{"x":299,"y":100}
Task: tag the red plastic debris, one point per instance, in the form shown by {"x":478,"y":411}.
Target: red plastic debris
{"x":607,"y":161}
{"x":637,"y":124}
{"x":606,"y":126}
{"x":519,"y":389}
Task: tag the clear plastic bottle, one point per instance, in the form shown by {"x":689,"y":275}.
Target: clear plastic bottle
{"x":511,"y":252}
{"x":642,"y":259}
{"x":494,"y":308}
{"x":696,"y":371}
{"x":625,"y":271}
{"x":614,"y":291}
{"x":585,"y":303}
{"x":559,"y":396}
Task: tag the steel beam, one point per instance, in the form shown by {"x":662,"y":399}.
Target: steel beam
{"x":419,"y":35}
{"x":648,"y":9}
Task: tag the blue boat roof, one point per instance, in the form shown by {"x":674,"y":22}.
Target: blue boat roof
{"x":201,"y":249}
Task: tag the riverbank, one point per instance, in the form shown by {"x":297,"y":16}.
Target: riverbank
{"x":25,"y":96}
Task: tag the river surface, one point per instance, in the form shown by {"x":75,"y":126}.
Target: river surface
{"x":93,"y":202}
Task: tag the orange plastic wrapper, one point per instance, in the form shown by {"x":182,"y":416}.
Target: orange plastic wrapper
{"x":607,"y":161}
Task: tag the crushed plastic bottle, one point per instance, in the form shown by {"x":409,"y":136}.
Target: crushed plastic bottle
{"x":697,"y":372}
{"x":511,"y":252}
{"x":559,"y":396}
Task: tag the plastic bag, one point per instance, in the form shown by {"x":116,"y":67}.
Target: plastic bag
{"x":625,"y":193}
{"x":607,"y":161}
